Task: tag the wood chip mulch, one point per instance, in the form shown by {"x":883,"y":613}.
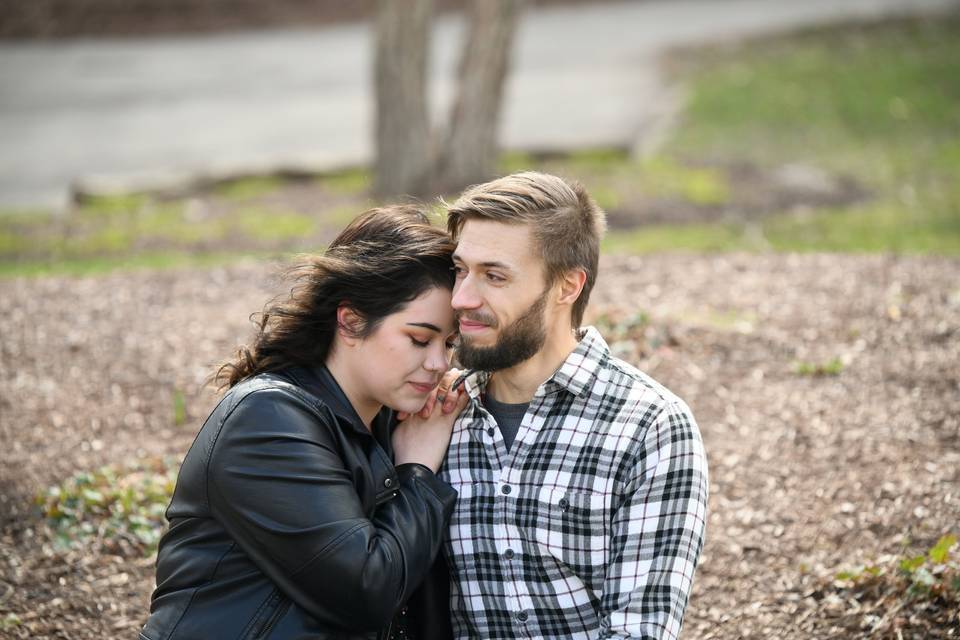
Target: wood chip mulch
{"x":811,"y":473}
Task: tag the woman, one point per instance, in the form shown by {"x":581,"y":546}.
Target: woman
{"x":297,"y":514}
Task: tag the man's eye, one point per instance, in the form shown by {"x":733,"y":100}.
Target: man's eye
{"x":459,"y":272}
{"x":493,"y":277}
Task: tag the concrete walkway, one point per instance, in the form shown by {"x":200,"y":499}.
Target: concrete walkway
{"x":151,"y":110}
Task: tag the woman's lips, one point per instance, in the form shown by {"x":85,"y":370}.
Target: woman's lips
{"x":423,"y":387}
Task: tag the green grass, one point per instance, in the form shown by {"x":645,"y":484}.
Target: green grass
{"x":111,"y":205}
{"x":882,"y":226}
{"x":347,"y":182}
{"x":264,"y":224}
{"x":891,"y":87}
{"x":104,"y":264}
{"x":248,"y":188}
{"x":665,"y":177}
{"x":694,"y":238}
{"x":880,"y":103}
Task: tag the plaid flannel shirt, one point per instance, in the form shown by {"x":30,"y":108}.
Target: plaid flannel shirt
{"x":591,"y":525}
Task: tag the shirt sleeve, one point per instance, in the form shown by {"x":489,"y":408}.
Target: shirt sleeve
{"x":281,"y":489}
{"x":657,"y":531}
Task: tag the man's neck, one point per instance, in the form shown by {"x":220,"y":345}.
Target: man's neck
{"x":519,"y":383}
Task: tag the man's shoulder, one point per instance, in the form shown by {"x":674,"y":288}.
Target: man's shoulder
{"x":634,"y":387}
{"x":649,"y":414}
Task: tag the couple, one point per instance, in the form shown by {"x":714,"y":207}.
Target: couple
{"x":556,"y":493}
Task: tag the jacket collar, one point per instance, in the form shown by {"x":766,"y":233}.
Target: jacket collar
{"x":320,"y":382}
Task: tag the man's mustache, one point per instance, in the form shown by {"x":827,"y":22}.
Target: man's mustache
{"x":481,"y":318}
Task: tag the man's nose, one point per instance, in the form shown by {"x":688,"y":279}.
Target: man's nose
{"x":465,"y":294}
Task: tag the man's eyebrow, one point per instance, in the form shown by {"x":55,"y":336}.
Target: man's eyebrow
{"x":425,"y":325}
{"x":490,"y":264}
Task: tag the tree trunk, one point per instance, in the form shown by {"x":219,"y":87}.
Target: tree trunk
{"x":469,"y":152}
{"x":403,"y":146}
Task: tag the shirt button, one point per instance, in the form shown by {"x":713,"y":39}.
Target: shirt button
{"x":508,"y":554}
{"x":563,"y":504}
{"x":388,"y":482}
{"x":505,"y":489}
{"x":490,"y":431}
{"x":522,"y":616}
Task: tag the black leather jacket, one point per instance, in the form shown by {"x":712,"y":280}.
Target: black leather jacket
{"x":290,"y":521}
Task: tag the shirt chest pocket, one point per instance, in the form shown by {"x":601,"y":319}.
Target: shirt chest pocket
{"x":574,"y":527}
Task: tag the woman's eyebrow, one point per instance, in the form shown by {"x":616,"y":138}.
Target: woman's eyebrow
{"x":425,"y":325}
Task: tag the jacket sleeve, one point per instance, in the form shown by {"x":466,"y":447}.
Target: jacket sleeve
{"x":278,"y":485}
{"x":657,"y":532}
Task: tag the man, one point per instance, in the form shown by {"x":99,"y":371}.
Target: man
{"x":582,"y":482}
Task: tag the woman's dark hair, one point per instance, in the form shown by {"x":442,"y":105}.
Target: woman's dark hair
{"x":383,"y":260}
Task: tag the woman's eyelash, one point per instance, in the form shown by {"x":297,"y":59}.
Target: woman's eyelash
{"x":419,"y":343}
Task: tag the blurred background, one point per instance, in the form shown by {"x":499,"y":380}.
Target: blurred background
{"x":202,"y":127}
{"x":781,"y":185}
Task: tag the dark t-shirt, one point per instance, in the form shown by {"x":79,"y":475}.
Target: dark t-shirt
{"x":508,"y":417}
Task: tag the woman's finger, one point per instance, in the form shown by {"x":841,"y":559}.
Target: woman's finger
{"x":451,"y":399}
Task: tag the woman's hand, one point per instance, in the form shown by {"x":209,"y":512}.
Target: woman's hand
{"x":424,"y":440}
{"x":444,"y":394}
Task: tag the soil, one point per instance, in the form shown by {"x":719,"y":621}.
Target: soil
{"x":810,"y":474}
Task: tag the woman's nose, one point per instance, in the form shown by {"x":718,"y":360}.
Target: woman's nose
{"x":437,"y":360}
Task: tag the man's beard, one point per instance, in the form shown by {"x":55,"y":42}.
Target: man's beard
{"x":519,"y":341}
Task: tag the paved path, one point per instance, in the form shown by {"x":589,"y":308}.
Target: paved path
{"x":154,"y":108}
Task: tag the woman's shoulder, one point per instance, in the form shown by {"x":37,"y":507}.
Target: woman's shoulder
{"x":276,"y":394}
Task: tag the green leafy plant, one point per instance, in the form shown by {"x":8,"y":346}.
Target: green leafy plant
{"x":10,"y":621}
{"x":119,"y":507}
{"x":935,"y":573}
{"x":631,"y":334}
{"x":832,"y":367}
{"x":179,"y":408}
{"x":921,"y":590}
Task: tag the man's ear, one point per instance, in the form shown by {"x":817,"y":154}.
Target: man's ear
{"x":349,"y":325}
{"x":570,"y":284}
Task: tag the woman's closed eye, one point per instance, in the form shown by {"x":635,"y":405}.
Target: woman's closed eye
{"x":450,"y":344}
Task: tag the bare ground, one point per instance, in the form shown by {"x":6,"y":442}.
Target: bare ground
{"x":809,"y":474}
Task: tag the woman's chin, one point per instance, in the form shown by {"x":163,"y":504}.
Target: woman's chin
{"x":407,"y":406}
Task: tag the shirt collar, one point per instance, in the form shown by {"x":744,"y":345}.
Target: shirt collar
{"x":576,"y":374}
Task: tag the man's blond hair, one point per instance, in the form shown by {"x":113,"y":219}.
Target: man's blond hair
{"x":566,"y":223}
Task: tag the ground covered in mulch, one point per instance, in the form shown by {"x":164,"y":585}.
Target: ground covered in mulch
{"x":827,"y":389}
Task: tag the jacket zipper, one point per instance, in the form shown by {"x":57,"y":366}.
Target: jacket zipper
{"x":274,"y":618}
